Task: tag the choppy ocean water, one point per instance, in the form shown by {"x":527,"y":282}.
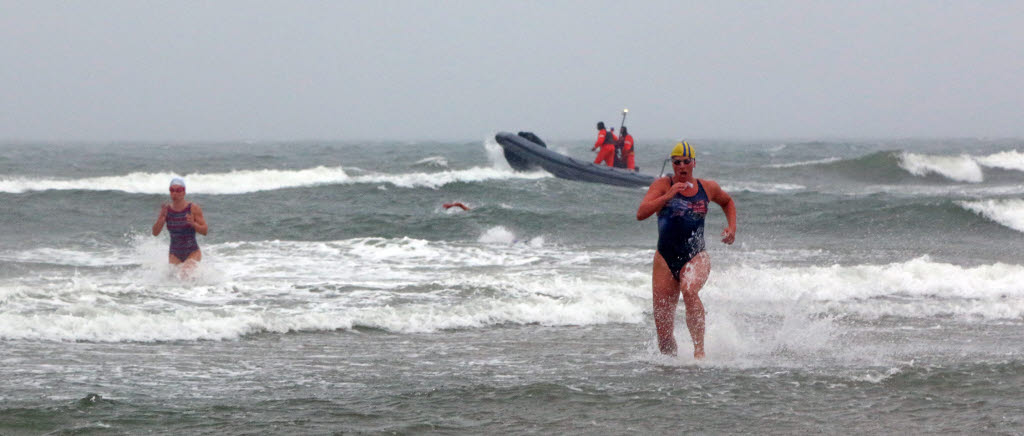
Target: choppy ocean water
{"x":875,"y":287}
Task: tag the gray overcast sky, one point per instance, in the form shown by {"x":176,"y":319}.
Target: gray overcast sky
{"x":224,"y":70}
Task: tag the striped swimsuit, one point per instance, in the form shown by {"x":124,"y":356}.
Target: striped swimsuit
{"x":183,"y":236}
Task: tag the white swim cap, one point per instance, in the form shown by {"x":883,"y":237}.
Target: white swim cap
{"x":178,"y":181}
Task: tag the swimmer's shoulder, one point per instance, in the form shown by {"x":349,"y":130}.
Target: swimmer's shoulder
{"x":709,"y":184}
{"x":713,"y":189}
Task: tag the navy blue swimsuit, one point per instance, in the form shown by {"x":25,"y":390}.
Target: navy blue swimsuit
{"x":681,"y":229}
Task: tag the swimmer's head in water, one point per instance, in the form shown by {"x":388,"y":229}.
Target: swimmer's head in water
{"x":683,"y":149}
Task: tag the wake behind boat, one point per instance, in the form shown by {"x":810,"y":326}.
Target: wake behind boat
{"x":525,"y":152}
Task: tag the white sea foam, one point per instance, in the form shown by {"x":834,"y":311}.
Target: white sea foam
{"x":767,"y":188}
{"x":962,"y":168}
{"x":246,"y":181}
{"x":736,"y":341}
{"x":915,"y":288}
{"x":962,"y":190}
{"x":439,"y":179}
{"x":413,"y":285}
{"x":495,"y":154}
{"x":805,"y":163}
{"x":501,"y":235}
{"x":1008,"y":212}
{"x":879,"y":376}
{"x":498,"y":235}
{"x":234,"y":182}
{"x":1009,"y":160}
{"x":401,"y":285}
{"x":433,"y":162}
{"x":109,"y":256}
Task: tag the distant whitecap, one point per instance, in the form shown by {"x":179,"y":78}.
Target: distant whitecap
{"x":962,"y":168}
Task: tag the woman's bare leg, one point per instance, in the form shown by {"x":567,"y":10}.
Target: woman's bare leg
{"x":692,"y":279}
{"x":666,"y":298}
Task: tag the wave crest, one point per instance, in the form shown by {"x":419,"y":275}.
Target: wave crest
{"x":247,"y":181}
{"x":1008,"y":212}
{"x":1007,"y":160}
{"x":962,"y":168}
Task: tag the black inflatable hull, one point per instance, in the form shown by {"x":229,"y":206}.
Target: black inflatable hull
{"x":527,"y":155}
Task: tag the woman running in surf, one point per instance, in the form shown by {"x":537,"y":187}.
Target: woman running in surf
{"x":183,"y":220}
{"x":681,"y":265}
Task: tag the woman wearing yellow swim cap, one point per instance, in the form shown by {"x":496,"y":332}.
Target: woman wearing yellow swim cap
{"x":681,"y":264}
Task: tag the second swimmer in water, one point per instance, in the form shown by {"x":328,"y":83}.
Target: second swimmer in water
{"x":681,"y":265}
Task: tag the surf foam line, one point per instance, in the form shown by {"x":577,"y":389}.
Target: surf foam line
{"x":401,"y":285}
{"x":406,"y":285}
{"x":764,"y":188}
{"x":805,"y":163}
{"x":933,"y":190}
{"x":247,"y":181}
{"x":918,"y":288}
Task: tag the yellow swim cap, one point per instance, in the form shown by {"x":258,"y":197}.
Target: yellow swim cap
{"x":684,"y":149}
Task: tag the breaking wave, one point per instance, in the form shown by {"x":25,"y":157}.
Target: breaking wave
{"x":246,"y":181}
{"x":406,"y":285}
{"x":1008,"y":212}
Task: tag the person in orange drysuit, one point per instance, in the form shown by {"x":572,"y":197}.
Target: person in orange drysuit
{"x":601,"y":133}
{"x":627,"y":149}
{"x":606,"y":142}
